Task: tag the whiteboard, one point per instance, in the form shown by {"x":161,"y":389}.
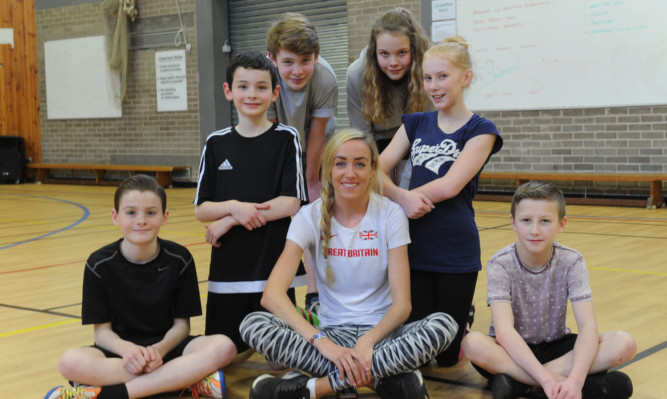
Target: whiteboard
{"x":543,"y":54}
{"x":79,"y":82}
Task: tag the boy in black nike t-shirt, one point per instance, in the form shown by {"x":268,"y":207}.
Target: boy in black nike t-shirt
{"x":139,"y":292}
{"x":250,"y":183}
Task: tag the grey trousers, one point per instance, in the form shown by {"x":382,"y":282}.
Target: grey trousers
{"x":404,"y":350}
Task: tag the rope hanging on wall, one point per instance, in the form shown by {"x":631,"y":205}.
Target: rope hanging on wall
{"x":116,"y":15}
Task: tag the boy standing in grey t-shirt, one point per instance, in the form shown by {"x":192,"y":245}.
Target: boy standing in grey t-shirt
{"x":308,"y":96}
{"x":529,"y":284}
{"x":308,"y":100}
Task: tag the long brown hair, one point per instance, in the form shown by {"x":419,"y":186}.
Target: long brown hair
{"x":376,"y":103}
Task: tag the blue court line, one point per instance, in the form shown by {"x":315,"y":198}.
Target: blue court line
{"x":643,"y":354}
{"x":85,"y":210}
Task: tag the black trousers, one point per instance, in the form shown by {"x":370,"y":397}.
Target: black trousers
{"x":451,"y":293}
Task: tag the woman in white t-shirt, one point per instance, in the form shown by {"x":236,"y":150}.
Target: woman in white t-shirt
{"x":358,"y":239}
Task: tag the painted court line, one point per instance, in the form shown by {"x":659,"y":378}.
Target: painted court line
{"x":25,"y":330}
{"x":643,"y":354}
{"x":76,"y":262}
{"x":640,"y":356}
{"x":71,"y":318}
{"x":85,"y":210}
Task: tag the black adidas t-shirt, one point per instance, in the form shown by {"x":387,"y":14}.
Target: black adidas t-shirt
{"x":255,"y":169}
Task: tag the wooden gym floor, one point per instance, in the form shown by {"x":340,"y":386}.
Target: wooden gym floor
{"x":48,"y":231}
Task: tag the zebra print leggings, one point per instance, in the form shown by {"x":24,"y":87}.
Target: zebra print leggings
{"x":407,"y":348}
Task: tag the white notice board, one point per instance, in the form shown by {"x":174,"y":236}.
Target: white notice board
{"x":79,"y":82}
{"x":543,"y":54}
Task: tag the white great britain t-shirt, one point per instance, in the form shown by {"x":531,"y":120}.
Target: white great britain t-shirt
{"x":360,"y":294}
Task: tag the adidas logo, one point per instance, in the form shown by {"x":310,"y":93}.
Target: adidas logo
{"x":225,"y":165}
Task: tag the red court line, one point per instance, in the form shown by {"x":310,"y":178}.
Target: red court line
{"x":41,"y":267}
{"x":73,"y":262}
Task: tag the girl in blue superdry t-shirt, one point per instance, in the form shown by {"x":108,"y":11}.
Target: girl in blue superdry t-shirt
{"x":448,"y":149}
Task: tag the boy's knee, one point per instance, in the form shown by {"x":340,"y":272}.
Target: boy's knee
{"x":472,"y":345}
{"x":224,"y":348}
{"x":627,"y":344}
{"x":72,"y":366}
{"x":621,"y":347}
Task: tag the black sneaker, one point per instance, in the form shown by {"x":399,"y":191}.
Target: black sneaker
{"x":402,"y":386}
{"x":612,"y":385}
{"x":506,"y":387}
{"x":291,"y":386}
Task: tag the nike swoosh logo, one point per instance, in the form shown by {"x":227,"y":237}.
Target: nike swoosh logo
{"x":162,"y":268}
{"x":332,"y":236}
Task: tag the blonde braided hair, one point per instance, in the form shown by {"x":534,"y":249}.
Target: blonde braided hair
{"x":327,"y":194}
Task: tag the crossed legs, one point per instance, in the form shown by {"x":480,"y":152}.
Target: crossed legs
{"x":201,"y":356}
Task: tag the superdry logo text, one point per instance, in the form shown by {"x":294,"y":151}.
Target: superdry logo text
{"x":433,"y":156}
{"x":225,"y":165}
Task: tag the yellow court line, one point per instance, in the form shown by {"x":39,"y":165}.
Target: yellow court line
{"x":60,"y":323}
{"x":2,"y":335}
{"x":627,"y":271}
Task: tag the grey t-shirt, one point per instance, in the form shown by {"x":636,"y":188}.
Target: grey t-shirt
{"x":354,"y":82}
{"x":318,"y":99}
{"x":538,"y":297}
{"x":355,"y":85}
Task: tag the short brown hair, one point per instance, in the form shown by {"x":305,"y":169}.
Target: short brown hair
{"x":140,"y":183}
{"x":539,"y":190}
{"x":293,"y":32}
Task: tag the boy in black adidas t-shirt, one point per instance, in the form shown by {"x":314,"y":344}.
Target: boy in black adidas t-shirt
{"x":250,"y":183}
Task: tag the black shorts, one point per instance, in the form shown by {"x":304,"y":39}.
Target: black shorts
{"x":173,"y":354}
{"x":544,"y":352}
{"x":225,"y":312}
{"x":548,"y":351}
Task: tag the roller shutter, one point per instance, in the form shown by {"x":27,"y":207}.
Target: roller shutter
{"x":250,"y":19}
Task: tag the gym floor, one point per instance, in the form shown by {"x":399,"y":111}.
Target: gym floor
{"x":47,"y":232}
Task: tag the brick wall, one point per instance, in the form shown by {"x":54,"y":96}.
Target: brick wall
{"x":607,"y":140}
{"x":620,"y":139}
{"x":142,"y":135}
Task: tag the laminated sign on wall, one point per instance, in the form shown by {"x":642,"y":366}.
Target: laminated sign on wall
{"x":171,"y":81}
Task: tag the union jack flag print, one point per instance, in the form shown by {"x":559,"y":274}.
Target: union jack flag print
{"x":368,"y":235}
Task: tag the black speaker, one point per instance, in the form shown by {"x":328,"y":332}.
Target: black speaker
{"x":12,"y":159}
